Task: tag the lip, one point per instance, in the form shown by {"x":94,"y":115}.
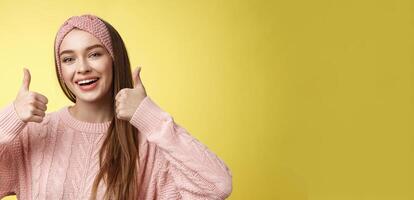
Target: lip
{"x":86,"y":88}
{"x":86,"y":78}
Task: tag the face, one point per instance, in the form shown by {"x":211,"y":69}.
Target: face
{"x":86,"y":66}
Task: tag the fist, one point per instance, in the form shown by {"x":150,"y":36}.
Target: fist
{"x":127,"y":100}
{"x":29,"y":106}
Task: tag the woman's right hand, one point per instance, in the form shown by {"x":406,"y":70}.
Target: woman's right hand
{"x":30,"y":106}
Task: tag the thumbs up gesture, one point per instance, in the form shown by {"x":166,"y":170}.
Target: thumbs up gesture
{"x":29,"y":106}
{"x":127,"y":100}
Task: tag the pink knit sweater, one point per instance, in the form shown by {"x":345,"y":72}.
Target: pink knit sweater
{"x":58,"y":158}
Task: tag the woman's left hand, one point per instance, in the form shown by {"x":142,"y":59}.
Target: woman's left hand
{"x":127,"y":100}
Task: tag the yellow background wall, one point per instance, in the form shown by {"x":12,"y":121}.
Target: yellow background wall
{"x":304,"y":100}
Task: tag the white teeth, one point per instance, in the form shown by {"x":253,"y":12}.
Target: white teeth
{"x":86,"y":81}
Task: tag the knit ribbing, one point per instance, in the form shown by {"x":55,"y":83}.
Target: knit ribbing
{"x":11,"y":122}
{"x":148,"y":116}
{"x":82,"y":126}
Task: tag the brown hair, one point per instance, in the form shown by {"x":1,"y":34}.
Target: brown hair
{"x":119,"y":153}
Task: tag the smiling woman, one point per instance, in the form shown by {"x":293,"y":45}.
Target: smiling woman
{"x":86,"y":67}
{"x":115,"y":142}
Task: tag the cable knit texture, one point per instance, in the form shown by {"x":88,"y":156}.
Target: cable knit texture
{"x":58,"y":158}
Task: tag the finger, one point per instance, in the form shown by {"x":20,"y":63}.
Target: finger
{"x":38,"y":112}
{"x":117,"y":97}
{"x":41,"y":98}
{"x":136,"y":76}
{"x":26,"y":80}
{"x":40,"y":105}
{"x":118,"y":115}
{"x":116,"y":110}
{"x":117,"y":104}
{"x":120,"y":93}
{"x":36,"y":118}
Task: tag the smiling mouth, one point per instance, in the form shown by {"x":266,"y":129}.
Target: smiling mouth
{"x":87,"y":82}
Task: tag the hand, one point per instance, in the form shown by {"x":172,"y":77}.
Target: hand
{"x":29,"y":106}
{"x":127,"y":100}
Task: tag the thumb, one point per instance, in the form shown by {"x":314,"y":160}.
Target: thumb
{"x":136,"y":76}
{"x":26,"y":80}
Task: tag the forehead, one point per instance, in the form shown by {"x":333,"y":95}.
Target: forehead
{"x":78,"y":39}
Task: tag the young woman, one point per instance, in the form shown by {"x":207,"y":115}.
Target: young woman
{"x":115,"y":142}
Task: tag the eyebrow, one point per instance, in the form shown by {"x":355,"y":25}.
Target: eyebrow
{"x":87,"y":48}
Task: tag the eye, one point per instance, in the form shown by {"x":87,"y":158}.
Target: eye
{"x":96,"y":54}
{"x":67,"y":59}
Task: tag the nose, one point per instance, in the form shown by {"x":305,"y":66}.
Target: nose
{"x":83,"y":67}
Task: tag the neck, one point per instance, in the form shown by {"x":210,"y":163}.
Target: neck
{"x":93,"y":112}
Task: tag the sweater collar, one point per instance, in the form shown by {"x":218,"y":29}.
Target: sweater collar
{"x":87,"y":127}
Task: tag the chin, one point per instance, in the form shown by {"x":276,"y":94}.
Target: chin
{"x":91,"y":97}
{"x":87,"y":99}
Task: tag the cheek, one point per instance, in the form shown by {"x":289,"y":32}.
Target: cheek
{"x":67,"y":75}
{"x":106,"y":70}
{"x":108,"y":74}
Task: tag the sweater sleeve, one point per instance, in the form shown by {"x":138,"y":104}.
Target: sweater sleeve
{"x":10,"y":152}
{"x":189,"y":167}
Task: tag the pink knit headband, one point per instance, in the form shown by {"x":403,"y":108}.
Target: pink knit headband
{"x":89,"y":23}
